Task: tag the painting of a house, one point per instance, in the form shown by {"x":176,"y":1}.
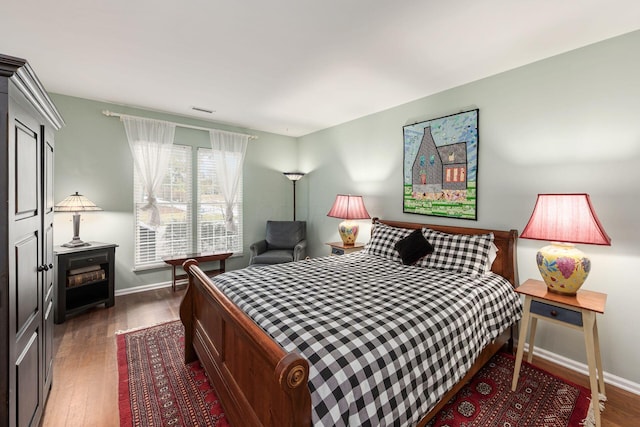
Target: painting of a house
{"x":440,"y":166}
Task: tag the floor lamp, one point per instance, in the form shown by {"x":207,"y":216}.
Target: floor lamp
{"x":294,"y":176}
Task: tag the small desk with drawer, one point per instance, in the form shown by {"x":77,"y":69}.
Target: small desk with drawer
{"x":574,"y":311}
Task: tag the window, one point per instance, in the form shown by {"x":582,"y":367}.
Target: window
{"x":181,"y":206}
{"x":174,"y":201}
{"x":213,"y":235}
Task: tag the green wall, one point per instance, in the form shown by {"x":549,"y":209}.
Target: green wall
{"x":565,"y":124}
{"x":92,"y":157}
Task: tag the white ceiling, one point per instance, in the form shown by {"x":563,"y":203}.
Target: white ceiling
{"x":291,"y":66}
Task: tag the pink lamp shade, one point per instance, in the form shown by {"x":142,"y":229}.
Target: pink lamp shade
{"x":564,"y":219}
{"x":348,"y":207}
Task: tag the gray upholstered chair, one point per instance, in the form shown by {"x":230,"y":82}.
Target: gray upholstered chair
{"x":285,"y":242}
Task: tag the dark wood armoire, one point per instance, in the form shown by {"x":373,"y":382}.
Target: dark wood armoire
{"x":28,"y":119}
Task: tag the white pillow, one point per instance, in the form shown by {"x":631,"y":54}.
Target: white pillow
{"x":493,"y":254}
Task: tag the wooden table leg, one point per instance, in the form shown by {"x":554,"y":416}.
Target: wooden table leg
{"x":589,"y":319}
{"x":596,"y":341}
{"x":532,"y":338}
{"x":173,"y":279}
{"x":524,"y":324}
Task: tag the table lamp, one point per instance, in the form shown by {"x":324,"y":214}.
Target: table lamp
{"x":348,"y":207}
{"x":564,"y":219}
{"x":76,"y":203}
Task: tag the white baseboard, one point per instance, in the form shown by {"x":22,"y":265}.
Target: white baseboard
{"x":145,"y":288}
{"x":582,"y":368}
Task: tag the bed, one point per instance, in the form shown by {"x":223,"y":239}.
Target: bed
{"x":358,"y":339}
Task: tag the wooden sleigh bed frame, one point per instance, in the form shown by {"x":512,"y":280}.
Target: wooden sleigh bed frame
{"x":258,"y":383}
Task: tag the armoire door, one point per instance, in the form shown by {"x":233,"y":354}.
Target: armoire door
{"x":25,"y":278}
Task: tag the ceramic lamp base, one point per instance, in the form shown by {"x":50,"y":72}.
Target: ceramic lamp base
{"x":563,"y":267}
{"x":348,"y":232}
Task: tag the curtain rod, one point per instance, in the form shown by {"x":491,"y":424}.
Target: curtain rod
{"x":112,"y":114}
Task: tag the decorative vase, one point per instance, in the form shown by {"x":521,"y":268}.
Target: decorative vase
{"x":348,"y":232}
{"x":563,"y":267}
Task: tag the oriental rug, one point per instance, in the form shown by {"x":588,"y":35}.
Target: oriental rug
{"x":156,"y":388}
{"x":541,"y":399}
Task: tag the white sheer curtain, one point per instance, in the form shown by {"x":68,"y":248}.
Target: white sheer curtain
{"x":228,"y":156}
{"x":150,"y":142}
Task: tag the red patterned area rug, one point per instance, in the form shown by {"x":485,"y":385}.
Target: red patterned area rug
{"x":157,"y":388}
{"x":541,"y":399}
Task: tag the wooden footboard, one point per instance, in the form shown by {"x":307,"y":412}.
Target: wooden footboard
{"x":258,"y":383}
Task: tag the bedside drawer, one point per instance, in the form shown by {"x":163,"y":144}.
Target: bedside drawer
{"x":86,"y":260}
{"x":337,"y":251}
{"x":558,"y":313}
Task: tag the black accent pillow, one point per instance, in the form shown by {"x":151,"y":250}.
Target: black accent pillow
{"x":413,"y":247}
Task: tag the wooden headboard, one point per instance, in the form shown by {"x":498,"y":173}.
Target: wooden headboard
{"x":505,"y":263}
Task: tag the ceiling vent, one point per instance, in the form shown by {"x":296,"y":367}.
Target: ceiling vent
{"x":203,"y":110}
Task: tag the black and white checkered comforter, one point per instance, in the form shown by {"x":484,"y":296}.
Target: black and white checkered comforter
{"x":384,"y":341}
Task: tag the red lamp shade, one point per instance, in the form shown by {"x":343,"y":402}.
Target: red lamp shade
{"x":348,"y":207}
{"x":564,"y":219}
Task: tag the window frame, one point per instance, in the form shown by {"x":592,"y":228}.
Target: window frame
{"x":194,"y":232}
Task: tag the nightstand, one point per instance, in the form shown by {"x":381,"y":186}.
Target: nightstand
{"x":339,"y":248}
{"x":577,"y":312}
{"x":85,"y":278}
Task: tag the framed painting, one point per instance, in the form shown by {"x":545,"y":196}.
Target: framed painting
{"x":441,"y":166}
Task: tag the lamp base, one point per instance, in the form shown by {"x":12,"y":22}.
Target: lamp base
{"x":563,"y":267}
{"x":348,"y":232}
{"x":75,"y":243}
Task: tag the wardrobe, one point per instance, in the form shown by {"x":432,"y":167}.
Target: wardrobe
{"x":28,"y":120}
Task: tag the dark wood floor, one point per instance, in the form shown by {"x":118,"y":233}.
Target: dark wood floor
{"x":85,"y":372}
{"x":85,"y":382}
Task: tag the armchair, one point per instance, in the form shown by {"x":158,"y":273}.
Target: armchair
{"x":285,"y":242}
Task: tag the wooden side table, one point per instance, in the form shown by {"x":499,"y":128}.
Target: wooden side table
{"x":85,"y":278}
{"x":339,"y":248}
{"x":177,"y":261}
{"x":577,"y":312}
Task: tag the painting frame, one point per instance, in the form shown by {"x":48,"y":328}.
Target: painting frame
{"x":440,"y":166}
